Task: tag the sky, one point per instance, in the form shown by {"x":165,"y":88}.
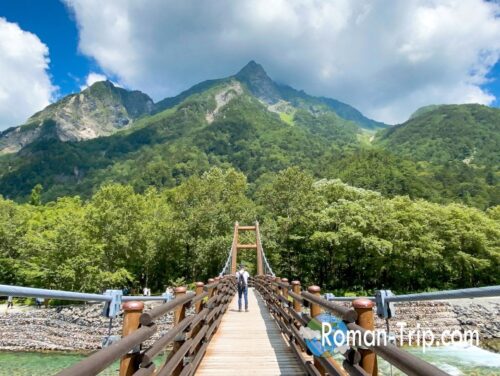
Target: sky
{"x":386,"y":58}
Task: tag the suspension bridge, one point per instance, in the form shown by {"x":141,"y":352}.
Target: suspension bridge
{"x":209,"y":336}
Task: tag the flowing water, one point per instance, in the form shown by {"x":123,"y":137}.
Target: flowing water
{"x":30,"y":363}
{"x":455,"y":359}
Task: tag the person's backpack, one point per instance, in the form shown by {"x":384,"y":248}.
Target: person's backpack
{"x":241,"y":281}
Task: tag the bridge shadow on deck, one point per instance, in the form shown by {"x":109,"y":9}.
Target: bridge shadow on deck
{"x":280,"y":346}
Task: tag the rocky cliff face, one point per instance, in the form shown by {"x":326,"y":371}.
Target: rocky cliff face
{"x":259,"y":83}
{"x":99,"y":110}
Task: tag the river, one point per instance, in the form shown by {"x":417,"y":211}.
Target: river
{"x":454,"y":359}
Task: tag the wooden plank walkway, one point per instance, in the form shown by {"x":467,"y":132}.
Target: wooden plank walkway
{"x":249,"y":343}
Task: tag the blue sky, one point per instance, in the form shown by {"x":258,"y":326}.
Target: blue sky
{"x":494,"y":85}
{"x":387,"y":61}
{"x":58,"y":30}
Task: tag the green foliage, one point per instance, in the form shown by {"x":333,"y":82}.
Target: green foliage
{"x":325,"y":232}
{"x":457,"y":146}
{"x":347,"y":238}
{"x":469,"y":133}
{"x":36,"y":198}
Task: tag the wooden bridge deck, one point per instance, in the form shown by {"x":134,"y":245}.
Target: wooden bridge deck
{"x":249,"y":343}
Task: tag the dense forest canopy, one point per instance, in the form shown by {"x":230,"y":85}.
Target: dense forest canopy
{"x":320,"y":231}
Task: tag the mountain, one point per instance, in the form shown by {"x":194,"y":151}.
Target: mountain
{"x":102,"y":109}
{"x":264,"y":88}
{"x":423,"y":110}
{"x":99,"y":110}
{"x":224,"y":125}
{"x":467,"y":133}
{"x":278,"y":97}
{"x":249,"y":122}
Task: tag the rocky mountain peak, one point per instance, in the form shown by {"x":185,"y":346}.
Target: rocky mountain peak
{"x":253,"y":69}
{"x":99,"y":110}
{"x":258,"y":82}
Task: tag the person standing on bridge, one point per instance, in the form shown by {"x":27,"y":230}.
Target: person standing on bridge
{"x":242,"y":281}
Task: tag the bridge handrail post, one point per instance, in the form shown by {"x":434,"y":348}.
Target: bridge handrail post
{"x":284,"y":290}
{"x":179,"y":315}
{"x":277,"y":288}
{"x":218,"y":291}
{"x":366,"y":319}
{"x":211,"y":289}
{"x":217,"y":288}
{"x":132,"y":311}
{"x":297,"y":306}
{"x":198,"y":308}
{"x":315,"y":311}
{"x":198,"y":291}
{"x":314,"y":307}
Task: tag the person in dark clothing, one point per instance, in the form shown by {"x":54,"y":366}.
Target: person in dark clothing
{"x":242,"y":281}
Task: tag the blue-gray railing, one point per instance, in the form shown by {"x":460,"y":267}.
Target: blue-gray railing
{"x":111,"y":298}
{"x":384,"y":299}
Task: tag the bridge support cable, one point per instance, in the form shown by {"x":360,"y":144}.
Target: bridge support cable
{"x":227,"y":265}
{"x":267,"y":268}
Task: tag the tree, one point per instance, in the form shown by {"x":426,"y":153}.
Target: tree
{"x":36,"y":195}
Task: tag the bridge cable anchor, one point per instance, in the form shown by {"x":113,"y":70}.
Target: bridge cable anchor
{"x":385,"y":309}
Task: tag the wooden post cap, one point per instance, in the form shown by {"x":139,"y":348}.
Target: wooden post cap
{"x":199,"y":284}
{"x":210,"y":280}
{"x":285,"y":280}
{"x":314,"y":289}
{"x":295,"y":283}
{"x":180,"y":290}
{"x":362,"y":303}
{"x":133,"y":306}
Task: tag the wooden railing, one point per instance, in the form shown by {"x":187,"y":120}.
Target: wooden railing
{"x":293,"y":308}
{"x":189,"y":335}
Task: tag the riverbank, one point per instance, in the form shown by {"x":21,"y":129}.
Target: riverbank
{"x":81,"y":328}
{"x":77,"y":328}
{"x":459,"y":316}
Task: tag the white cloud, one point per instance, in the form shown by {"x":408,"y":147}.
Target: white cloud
{"x":385,"y":58}
{"x":25,"y":85}
{"x":92,"y":78}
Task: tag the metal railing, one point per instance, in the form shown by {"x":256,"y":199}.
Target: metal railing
{"x":111,"y":298}
{"x":385,"y":299}
{"x":20,"y":291}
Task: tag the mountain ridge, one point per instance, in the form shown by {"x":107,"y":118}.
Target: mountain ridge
{"x":74,"y":117}
{"x":222,"y":123}
{"x":99,"y":110}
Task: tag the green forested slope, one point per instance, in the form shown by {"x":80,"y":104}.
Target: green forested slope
{"x":457,"y":145}
{"x":172,"y":145}
{"x":468,"y":133}
{"x":443,"y":153}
